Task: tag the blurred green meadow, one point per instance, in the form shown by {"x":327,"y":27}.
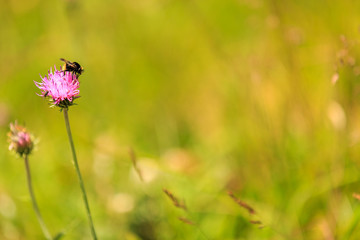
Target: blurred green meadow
{"x":257,"y":97}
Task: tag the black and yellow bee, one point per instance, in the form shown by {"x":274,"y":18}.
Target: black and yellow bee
{"x":73,"y":67}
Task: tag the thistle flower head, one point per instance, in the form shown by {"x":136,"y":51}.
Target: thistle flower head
{"x":60,"y":86}
{"x":20,"y":140}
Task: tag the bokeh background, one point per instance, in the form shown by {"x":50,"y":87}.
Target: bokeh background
{"x":257,"y":97}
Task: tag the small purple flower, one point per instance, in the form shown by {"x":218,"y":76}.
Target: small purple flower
{"x":20,"y":139}
{"x":61,"y":87}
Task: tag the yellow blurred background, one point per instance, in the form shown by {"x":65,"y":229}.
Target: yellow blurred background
{"x":257,"y":97}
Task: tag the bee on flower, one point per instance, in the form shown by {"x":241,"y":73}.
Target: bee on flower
{"x":61,"y":87}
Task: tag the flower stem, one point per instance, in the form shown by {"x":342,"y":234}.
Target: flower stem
{"x":34,"y":203}
{"x":75,"y":162}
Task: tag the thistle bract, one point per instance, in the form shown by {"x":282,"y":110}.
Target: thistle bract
{"x":61,"y":87}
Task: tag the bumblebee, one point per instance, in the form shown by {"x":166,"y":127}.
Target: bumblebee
{"x":73,"y":67}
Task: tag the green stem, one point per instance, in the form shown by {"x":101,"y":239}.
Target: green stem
{"x":34,"y":203}
{"x":67,"y":123}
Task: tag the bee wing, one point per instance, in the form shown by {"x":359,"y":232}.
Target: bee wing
{"x":68,"y":63}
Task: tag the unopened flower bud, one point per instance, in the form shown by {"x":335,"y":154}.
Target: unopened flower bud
{"x":20,"y":140}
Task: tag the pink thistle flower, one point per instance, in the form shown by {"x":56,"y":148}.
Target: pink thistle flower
{"x":20,"y":140}
{"x":61,"y":87}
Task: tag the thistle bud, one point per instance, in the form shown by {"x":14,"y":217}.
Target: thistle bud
{"x":20,"y":140}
